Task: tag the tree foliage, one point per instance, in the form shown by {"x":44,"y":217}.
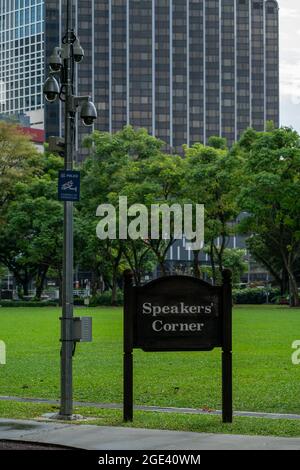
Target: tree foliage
{"x":213,"y":180}
{"x":31,"y":232}
{"x":271,"y":196}
{"x":258,"y":176}
{"x":19,"y":162}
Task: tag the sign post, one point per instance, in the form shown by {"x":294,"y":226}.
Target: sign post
{"x":227,"y":348}
{"x":178,"y":313}
{"x":128,"y":347}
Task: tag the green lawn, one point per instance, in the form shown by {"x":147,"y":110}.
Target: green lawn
{"x":177,"y":422}
{"x":264,"y":377}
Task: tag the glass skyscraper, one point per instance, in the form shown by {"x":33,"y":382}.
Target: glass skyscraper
{"x":183,"y":69}
{"x":22,"y":57}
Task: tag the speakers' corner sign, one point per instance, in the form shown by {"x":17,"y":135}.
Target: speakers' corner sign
{"x":69,"y":185}
{"x":178,"y":313}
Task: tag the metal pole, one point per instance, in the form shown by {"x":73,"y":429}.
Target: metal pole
{"x":66,"y":408}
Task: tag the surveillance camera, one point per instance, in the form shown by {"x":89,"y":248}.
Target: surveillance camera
{"x":88,"y":113}
{"x":51,"y":89}
{"x":55,"y":61}
{"x":78,"y":52}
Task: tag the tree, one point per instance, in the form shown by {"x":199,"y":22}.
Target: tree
{"x":261,"y":248}
{"x":271,"y":196}
{"x":31,"y":235}
{"x":31,"y":239}
{"x":129,"y":163}
{"x":156,"y":180}
{"x":233,"y":259}
{"x":139,"y":257}
{"x":19,"y":162}
{"x":103,"y":258}
{"x":212,"y":180}
{"x":110,"y":156}
{"x":217,"y":142}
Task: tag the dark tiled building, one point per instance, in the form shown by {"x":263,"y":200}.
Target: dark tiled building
{"x":184,"y":69}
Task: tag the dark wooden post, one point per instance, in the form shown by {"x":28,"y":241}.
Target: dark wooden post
{"x":227,"y":348}
{"x":128,"y":347}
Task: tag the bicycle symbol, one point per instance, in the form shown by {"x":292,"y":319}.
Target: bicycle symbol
{"x":69,"y":186}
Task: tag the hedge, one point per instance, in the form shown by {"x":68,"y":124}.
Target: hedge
{"x":240,"y":296}
{"x":254,"y":296}
{"x":28,"y":303}
{"x":104,"y":299}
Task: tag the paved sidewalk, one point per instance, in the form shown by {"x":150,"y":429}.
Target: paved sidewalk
{"x":91,"y":437}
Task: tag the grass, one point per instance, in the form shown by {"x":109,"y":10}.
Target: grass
{"x":264,"y":377}
{"x":150,"y":420}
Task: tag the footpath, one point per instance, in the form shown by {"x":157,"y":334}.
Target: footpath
{"x":92,"y":437}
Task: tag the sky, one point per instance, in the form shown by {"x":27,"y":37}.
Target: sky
{"x":290,"y":63}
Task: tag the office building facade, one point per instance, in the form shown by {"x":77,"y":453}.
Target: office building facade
{"x":184,"y":69}
{"x":22,"y":58}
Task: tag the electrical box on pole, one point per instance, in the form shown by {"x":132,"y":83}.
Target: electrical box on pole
{"x":82,"y":329}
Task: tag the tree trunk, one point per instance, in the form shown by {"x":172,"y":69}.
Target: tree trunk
{"x":137,"y":276}
{"x":115,"y":276}
{"x":284,"y":283}
{"x":20,"y":290}
{"x":114,"y":283}
{"x":162,"y":267}
{"x":40,"y":281}
{"x":293,"y":287}
{"x":19,"y":284}
{"x":25,"y":286}
{"x":133,"y":264}
{"x":114,"y":293}
{"x":220,"y":253}
{"x":196,"y":268}
{"x":212,"y":261}
{"x":95,"y":284}
{"x":294,"y":295}
{"x":114,"y":289}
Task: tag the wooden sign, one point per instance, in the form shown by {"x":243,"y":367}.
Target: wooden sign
{"x":178,"y":313}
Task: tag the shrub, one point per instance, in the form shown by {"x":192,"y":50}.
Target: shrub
{"x":28,"y":303}
{"x":254,"y":296}
{"x":104,"y":299}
